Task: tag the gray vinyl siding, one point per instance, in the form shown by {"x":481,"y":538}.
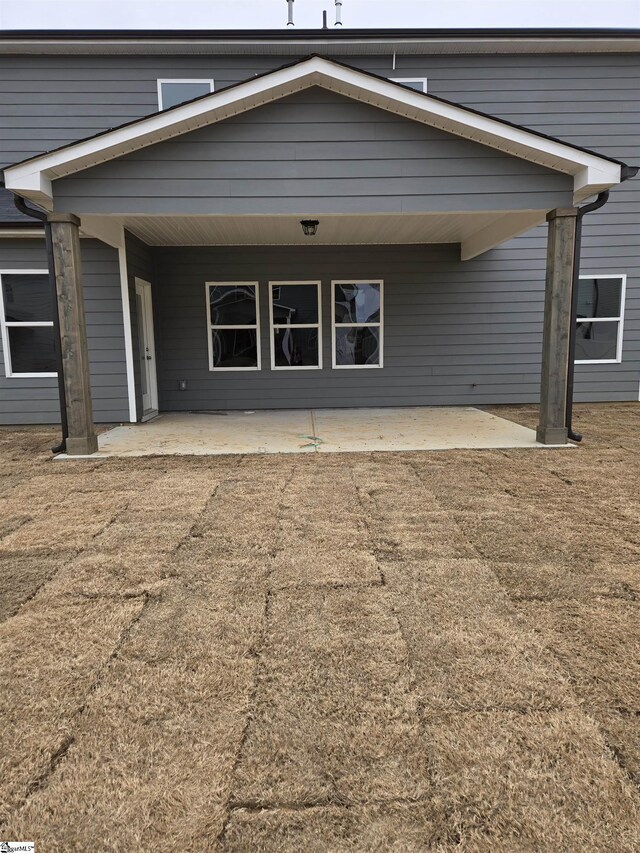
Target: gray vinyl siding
{"x":139,"y":265}
{"x":590,"y":100}
{"x":600,"y":254}
{"x":454,"y":333}
{"x":316,"y":152}
{"x":10,"y":214}
{"x":25,"y":400}
{"x":35,"y":401}
{"x":47,"y":101}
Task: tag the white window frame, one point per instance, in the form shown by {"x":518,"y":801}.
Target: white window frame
{"x":5,"y":325}
{"x":162,"y":80}
{"x":334,"y":325}
{"x":211,"y":327}
{"x":619,"y":320}
{"x":422,"y":80}
{"x":273,"y":326}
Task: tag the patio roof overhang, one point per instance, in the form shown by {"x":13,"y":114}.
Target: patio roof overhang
{"x":476,"y":231}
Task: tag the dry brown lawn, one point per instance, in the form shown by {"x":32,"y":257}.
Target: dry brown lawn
{"x":409,"y":652}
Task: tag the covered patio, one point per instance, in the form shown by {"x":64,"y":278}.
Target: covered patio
{"x":208,"y":197}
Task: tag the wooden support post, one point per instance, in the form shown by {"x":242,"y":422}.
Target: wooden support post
{"x":73,"y":333}
{"x":552,"y":428}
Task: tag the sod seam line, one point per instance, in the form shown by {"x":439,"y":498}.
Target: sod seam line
{"x":256,"y":654}
{"x":60,"y":754}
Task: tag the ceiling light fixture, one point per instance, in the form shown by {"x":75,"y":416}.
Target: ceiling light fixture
{"x":309,"y":227}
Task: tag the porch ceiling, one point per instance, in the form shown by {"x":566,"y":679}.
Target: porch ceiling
{"x":476,"y":231}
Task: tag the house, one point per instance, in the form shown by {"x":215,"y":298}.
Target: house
{"x":317,"y":218}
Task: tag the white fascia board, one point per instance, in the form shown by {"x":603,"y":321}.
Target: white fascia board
{"x":34,"y":184}
{"x":595,"y":178}
{"x":35,"y":176}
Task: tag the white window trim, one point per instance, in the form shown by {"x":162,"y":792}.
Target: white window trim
{"x":6,"y":325}
{"x":619,"y":320}
{"x":272,"y":326}
{"x":334,"y":325}
{"x":211,"y":327}
{"x":162,"y":80}
{"x":422,"y":80}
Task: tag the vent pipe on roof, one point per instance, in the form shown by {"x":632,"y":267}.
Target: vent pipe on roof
{"x":338,"y":22}
{"x":290,"y":13}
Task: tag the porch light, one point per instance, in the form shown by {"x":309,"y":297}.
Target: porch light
{"x":309,"y":227}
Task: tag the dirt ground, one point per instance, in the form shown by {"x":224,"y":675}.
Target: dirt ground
{"x":413,"y":652}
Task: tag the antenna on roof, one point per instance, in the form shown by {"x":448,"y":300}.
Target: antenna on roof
{"x":290,"y":13}
{"x":338,"y":22}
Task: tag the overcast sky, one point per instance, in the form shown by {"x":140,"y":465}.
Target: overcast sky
{"x":226,"y":14}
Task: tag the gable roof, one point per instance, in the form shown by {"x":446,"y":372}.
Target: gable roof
{"x":591,"y":172}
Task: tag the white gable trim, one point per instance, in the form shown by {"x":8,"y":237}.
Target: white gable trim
{"x":591,"y":173}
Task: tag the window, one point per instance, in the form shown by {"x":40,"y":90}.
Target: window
{"x":357,"y":323}
{"x":417,"y":83}
{"x":600,"y":318}
{"x":294,"y":313}
{"x":174,"y":92}
{"x":26,"y":320}
{"x":234,"y":327}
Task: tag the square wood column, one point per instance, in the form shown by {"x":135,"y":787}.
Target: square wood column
{"x":561,"y":246}
{"x":65,"y":238}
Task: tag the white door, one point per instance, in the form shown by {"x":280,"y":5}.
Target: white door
{"x":146,"y":349}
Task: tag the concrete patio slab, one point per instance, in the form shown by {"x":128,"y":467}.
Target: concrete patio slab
{"x":316,"y":431}
{"x":203,"y":434}
{"x":417,"y":428}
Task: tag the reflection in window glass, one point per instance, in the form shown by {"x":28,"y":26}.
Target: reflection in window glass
{"x":596,"y":341}
{"x":295,"y":304}
{"x":234,"y":335}
{"x":234,"y":348}
{"x":26,"y":319}
{"x":417,"y":83}
{"x":32,"y":349}
{"x":357,"y":346}
{"x":599,"y":297}
{"x":357,"y":318}
{"x":599,"y":318}
{"x":295,"y":347}
{"x":232,"y":305}
{"x":295,"y":325}
{"x":357,"y":303}
{"x":174,"y":92}
{"x":27,"y":298}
